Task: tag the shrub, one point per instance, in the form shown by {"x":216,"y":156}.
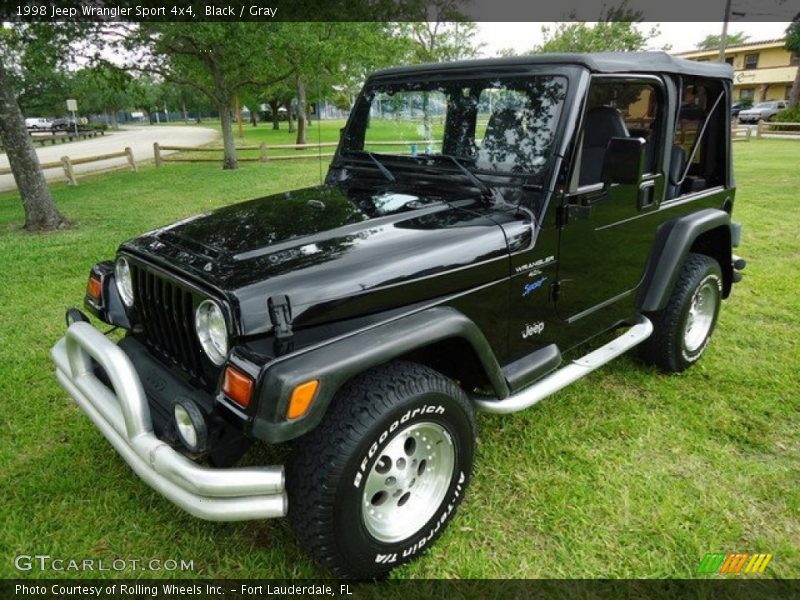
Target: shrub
{"x":790,"y":115}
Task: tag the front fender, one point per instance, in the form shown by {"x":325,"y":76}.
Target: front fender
{"x":341,"y":359}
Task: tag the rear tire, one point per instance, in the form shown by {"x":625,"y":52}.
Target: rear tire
{"x":379,"y":479}
{"x":683,"y":328}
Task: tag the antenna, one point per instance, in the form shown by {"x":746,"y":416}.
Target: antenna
{"x":319,"y":131}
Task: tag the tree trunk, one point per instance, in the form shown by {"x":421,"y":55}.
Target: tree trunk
{"x":290,"y":117}
{"x":301,"y":112}
{"x":238,"y":112}
{"x":229,"y":161}
{"x":41,"y":213}
{"x":274,"y":105}
{"x":114,"y":119}
{"x":254,"y":118}
{"x":794,"y":93}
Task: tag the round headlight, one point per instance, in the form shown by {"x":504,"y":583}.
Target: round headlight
{"x":122,"y":275}
{"x":212,"y":331}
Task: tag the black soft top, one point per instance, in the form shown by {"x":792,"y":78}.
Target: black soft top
{"x":599,"y":62}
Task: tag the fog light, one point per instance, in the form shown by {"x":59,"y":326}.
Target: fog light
{"x":190,"y":425}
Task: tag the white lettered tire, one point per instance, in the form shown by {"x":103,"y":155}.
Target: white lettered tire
{"x":377,"y":482}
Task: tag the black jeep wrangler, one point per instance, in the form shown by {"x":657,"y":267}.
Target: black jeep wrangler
{"x":479,"y":221}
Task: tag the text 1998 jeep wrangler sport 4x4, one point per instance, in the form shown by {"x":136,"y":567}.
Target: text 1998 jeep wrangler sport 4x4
{"x":479,"y":220}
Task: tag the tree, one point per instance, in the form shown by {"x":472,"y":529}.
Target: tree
{"x":144,"y":93}
{"x":104,"y":88}
{"x":448,"y":37}
{"x":217,"y":59}
{"x":712,"y":41}
{"x":321,"y":55}
{"x":793,"y":45}
{"x":615,"y":31}
{"x":278,"y":96}
{"x":27,"y":51}
{"x":437,"y":31}
{"x":41,"y":213}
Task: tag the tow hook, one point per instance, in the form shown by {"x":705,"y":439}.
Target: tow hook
{"x":738,"y":264}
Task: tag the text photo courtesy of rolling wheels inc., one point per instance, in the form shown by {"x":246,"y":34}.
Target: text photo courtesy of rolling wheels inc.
{"x":400,"y":301}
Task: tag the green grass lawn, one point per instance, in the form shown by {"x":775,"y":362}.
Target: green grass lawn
{"x":628,"y":473}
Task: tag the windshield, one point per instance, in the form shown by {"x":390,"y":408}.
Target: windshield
{"x":766,"y":105}
{"x":491,"y":126}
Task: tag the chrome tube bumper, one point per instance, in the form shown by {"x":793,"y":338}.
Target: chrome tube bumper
{"x":123,"y":416}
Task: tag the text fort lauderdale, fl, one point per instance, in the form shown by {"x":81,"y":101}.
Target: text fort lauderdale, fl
{"x":169,"y":589}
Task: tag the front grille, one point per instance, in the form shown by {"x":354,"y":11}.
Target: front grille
{"x":166,"y":313}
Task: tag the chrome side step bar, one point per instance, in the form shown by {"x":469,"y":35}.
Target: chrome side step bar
{"x":564,"y":376}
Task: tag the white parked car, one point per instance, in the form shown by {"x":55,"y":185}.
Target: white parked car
{"x":38,"y":123}
{"x":763,"y":111}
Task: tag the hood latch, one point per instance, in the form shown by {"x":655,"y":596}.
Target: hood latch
{"x":280,"y":313}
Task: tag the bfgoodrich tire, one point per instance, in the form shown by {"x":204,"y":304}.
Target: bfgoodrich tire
{"x":380,"y":478}
{"x":683,"y":328}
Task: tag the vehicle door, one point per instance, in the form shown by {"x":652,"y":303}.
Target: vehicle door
{"x":616,"y":177}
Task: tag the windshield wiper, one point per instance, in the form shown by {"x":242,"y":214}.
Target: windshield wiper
{"x":486,"y":191}
{"x":384,"y":171}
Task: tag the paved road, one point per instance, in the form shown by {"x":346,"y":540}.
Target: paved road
{"x":140,"y":139}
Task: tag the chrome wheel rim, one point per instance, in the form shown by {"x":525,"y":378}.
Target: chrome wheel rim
{"x":408,"y":482}
{"x":701,"y":316}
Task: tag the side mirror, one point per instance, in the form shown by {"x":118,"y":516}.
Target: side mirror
{"x":624,"y":161}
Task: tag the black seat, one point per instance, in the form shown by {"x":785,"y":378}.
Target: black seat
{"x":602,"y":124}
{"x":503,"y":141}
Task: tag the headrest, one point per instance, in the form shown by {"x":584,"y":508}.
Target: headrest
{"x":602,"y":124}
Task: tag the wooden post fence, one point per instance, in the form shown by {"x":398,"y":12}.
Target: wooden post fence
{"x":131,"y":161}
{"x":68,"y":164}
{"x":778,"y":129}
{"x":68,"y":171}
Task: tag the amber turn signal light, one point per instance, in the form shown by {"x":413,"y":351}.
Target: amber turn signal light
{"x":302,"y":397}
{"x":94,"y":289}
{"x":238,"y":386}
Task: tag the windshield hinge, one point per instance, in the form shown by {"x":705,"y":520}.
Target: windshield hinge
{"x":280,"y":313}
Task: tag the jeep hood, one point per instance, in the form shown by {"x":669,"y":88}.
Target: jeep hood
{"x":337,"y":254}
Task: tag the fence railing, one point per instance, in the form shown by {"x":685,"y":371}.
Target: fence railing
{"x":263,"y":152}
{"x":741,"y":134}
{"x":64,"y":136}
{"x":68,"y":163}
{"x":777,"y":129}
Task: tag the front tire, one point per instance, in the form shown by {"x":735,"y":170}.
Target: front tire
{"x":683,"y":328}
{"x":379,"y":479}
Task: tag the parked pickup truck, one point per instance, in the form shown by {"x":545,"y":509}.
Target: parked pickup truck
{"x":38,"y":124}
{"x":480,"y":222}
